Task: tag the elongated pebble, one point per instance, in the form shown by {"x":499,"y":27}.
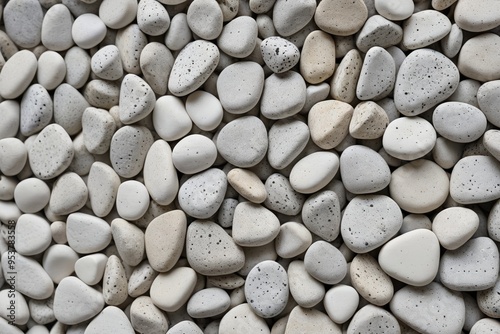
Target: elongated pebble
{"x":17,"y":73}
{"x":313,"y":172}
{"x":284,"y":95}
{"x":69,"y":194}
{"x":241,"y":318}
{"x":278,"y":188}
{"x":102,"y":184}
{"x":114,"y":285}
{"x":56,"y":28}
{"x":128,"y":149}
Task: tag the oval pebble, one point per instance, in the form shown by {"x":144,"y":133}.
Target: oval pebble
{"x":247,"y":184}
{"x":290,"y":19}
{"x":56,"y":28}
{"x":279,"y":54}
{"x":132,"y":200}
{"x":238,"y":37}
{"x":455,"y":226}
{"x":485,"y":326}
{"x":208,"y":303}
{"x":86,"y":233}
{"x":281,"y":197}
{"x":128,"y":149}
{"x":21,"y":310}
{"x":170,"y":118}
{"x":23,"y":22}
{"x":13,"y":154}
{"x":317,"y":57}
{"x":10,"y":118}
{"x":321,"y":214}
{"x":303,"y":320}
{"x":314,"y":172}
{"x":193,"y":154}
{"x":114,"y":18}
{"x":17,"y":74}
{"x":341,"y":302}
{"x":325,"y":263}
{"x":31,"y":195}
{"x":341,"y":17}
{"x":345,"y":78}
{"x":33,"y":235}
{"x":84,"y":36}
{"x":204,"y":109}
{"x":293,"y":239}
{"x":59,"y":262}
{"x":459,"y":122}
{"x":102,"y":184}
{"x":394,"y":10}
{"x":477,"y":18}
{"x":243,"y":319}
{"x":370,"y":318}
{"x":305,"y":290}
{"x":156,"y":62}
{"x":424,"y":28}
{"x":254,"y":225}
{"x":78,"y":67}
{"x":152,"y":17}
{"x":370,"y":281}
{"x":172,"y":289}
{"x":205,"y":19}
{"x":284,"y":95}
{"x":51,"y":70}
{"x":266,"y":289}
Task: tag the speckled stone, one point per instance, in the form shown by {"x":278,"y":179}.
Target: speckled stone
{"x":69,"y":194}
{"x":86,"y":233}
{"x":395,"y":10}
{"x":208,"y":302}
{"x":128,"y":149}
{"x":485,"y":326}
{"x":211,"y":251}
{"x":459,"y":122}
{"x":317,"y":59}
{"x":17,"y":74}
{"x":303,"y":320}
{"x":129,"y":241}
{"x":101,"y":93}
{"x":287,"y":138}
{"x":370,"y":281}
{"x":424,"y":28}
{"x":373,"y":319}
{"x":145,"y":317}
{"x":36,"y":110}
{"x":137,"y":99}
{"x":321,"y":214}
{"x":290,"y":19}
{"x":368,"y":121}
{"x":329,"y":123}
{"x":476,"y":17}
{"x":141,"y":279}
{"x":377,"y":76}
{"x":341,"y":17}
{"x":281,"y":197}
{"x":98,"y":128}
{"x":425,"y":78}
{"x":378,"y":31}
{"x":325,"y":263}
{"x":242,"y":319}
{"x":131,"y":41}
{"x":345,"y":78}
{"x":247,"y":184}
{"x":284,"y":95}
{"x":243,"y":142}
{"x":279,"y":54}
{"x":488,"y":301}
{"x":193,"y":154}
{"x":152,"y":17}
{"x":429,"y":309}
{"x":114,"y":284}
{"x":254,"y":225}
{"x":483,"y":65}
{"x":192,"y":67}
{"x":205,"y":19}
{"x":107,"y":63}
{"x":156,"y":62}
{"x":102,"y":184}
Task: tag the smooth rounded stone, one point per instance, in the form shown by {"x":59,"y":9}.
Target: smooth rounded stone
{"x":10,"y":110}
{"x":254,"y":225}
{"x":378,"y":75}
{"x":204,"y":109}
{"x":287,"y":138}
{"x":488,"y":100}
{"x":284,"y":95}
{"x":202,"y":194}
{"x":172,"y":289}
{"x":490,"y":142}
{"x":78,"y":67}
{"x":314,"y":172}
{"x":425,"y":78}
{"x":36,"y":110}
{"x":378,"y":31}
{"x":304,"y":320}
{"x":69,"y":106}
{"x":211,"y":258}
{"x":86,"y":233}
{"x":447,"y":153}
{"x":341,"y":17}
{"x":329,"y":123}
{"x":59,"y":262}
{"x":321,"y":214}
{"x":475,"y":179}
{"x":475,"y":17}
{"x":247,"y":184}
{"x":193,"y":154}
{"x":482,"y":67}
{"x":6,"y":327}
{"x":14,"y":307}
{"x":56,"y":28}
{"x":242,"y":319}
{"x":33,"y":235}
{"x":69,"y":194}
{"x":486,"y":325}
{"x":409,"y":138}
{"x":170,"y":118}
{"x":13,"y":156}
{"x":128,"y":149}
{"x":279,"y":54}
{"x":488,"y":302}
{"x":88,"y":31}
{"x":23,"y":22}
{"x":156,"y":62}
{"x":111,"y":319}
{"x":424,"y":28}
{"x":255,"y":255}
{"x":83,"y":159}
{"x":238,"y":37}
{"x":341,"y":302}
{"x":455,"y":226}
{"x":230,"y":281}
{"x":179,"y":33}
{"x":114,"y":284}
{"x":467,"y":92}
{"x":58,"y":230}
{"x":281,"y":197}
{"x":317,"y":60}
{"x":226,"y":212}
{"x":106,"y":63}
{"x":451,"y":43}
{"x":363,"y":170}
{"x":140,"y":279}
{"x":394,"y":10}
{"x":463,"y":270}
{"x":98,"y":128}
{"x":164,"y":239}
{"x":369,"y":221}
{"x":132,"y":200}
{"x":412,"y":258}
{"x":75,"y":302}
{"x":51,"y":153}
{"x":131,"y":41}
{"x":145,"y":317}
{"x":137,"y":99}
{"x":117,"y":14}
{"x":429,"y":309}
{"x":345,"y":78}
{"x":370,"y":281}
{"x":369,"y":121}
{"x":205,"y":19}
{"x":8,"y":185}
{"x":305,"y":290}
{"x":192,"y":67}
{"x":160,"y":176}
{"x":243,"y":142}
{"x":459,"y":122}
{"x":17,"y":74}
{"x":291,"y":18}
{"x":325,"y":262}
{"x":419,"y":186}
{"x":261,"y":6}
{"x":102,"y":184}
{"x":472,"y":312}
{"x":373,"y":319}
{"x":9,"y":212}
{"x":293,"y":239}
{"x":90,"y":268}
{"x":315,"y":94}
{"x":51,"y":70}
{"x":185,"y":327}
{"x":208,"y":302}
{"x":102,"y":94}
{"x":152,"y":17}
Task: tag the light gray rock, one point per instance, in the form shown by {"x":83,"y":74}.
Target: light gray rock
{"x":137,"y":99}
{"x":205,"y":19}
{"x":378,"y":31}
{"x":289,"y":19}
{"x":488,"y":100}
{"x":378,"y":75}
{"x":424,"y":28}
{"x":86,"y":233}
{"x":321,"y":214}
{"x":459,"y":122}
{"x":482,"y":68}
{"x":36,"y":110}
{"x":23,"y":22}
{"x":284,"y":95}
{"x":152,"y":17}
{"x":156,"y":62}
{"x":131,"y":41}
{"x":325,"y":262}
{"x":208,"y":302}
{"x":370,"y":319}
{"x":279,"y":54}
{"x":106,"y":63}
{"x":287,"y":139}
{"x":238,"y":37}
{"x":69,"y":105}
{"x":281,"y":197}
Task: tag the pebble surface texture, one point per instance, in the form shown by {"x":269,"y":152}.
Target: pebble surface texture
{"x":249,"y":166}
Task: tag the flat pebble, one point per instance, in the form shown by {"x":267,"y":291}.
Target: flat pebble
{"x":90,"y":268}
{"x":475,"y":179}
{"x":378,"y":75}
{"x":314,"y":172}
{"x":284,"y":95}
{"x":424,"y":28}
{"x":132,"y":200}
{"x":75,"y":302}
{"x":459,"y":122}
{"x":56,"y":28}
{"x":17,"y":74}
{"x":193,"y":154}
{"x":172,"y":289}
{"x":36,"y":110}
{"x":341,"y":17}
{"x":303,"y":320}
{"x":33,"y":235}
{"x":412,"y":258}
{"x":23,"y":22}
{"x":290,"y":19}
{"x":455,"y":226}
{"x":490,"y":140}
{"x":281,"y":197}
{"x":204,"y":109}
{"x":484,"y":65}
{"x":205,"y":19}
{"x":145,"y":317}
{"x":211,"y":251}
{"x":378,"y":31}
{"x":98,"y":128}
{"x":243,"y":142}
{"x":247,"y":184}
{"x":370,"y":281}
{"x":317,"y":57}
{"x":321,"y":214}
{"x":329,"y":123}
{"x":293,"y":239}
{"x":370,"y":319}
{"x":51,"y":70}
{"x":86,"y":233}
{"x":31,"y":195}
{"x":425,"y":78}
{"x":476,"y":18}
{"x":488,"y":302}
{"x":164,"y":240}
{"x":242,"y":319}
{"x":88,"y":30}
{"x":116,"y":19}
{"x":128,"y":149}
{"x":394,"y":10}
{"x":238,"y":37}
{"x":341,"y":302}
{"x":208,"y":303}
{"x":411,"y":305}
{"x":192,"y":67}
{"x":279,"y":54}
{"x":102,"y":184}
{"x":463,"y":270}
{"x":325,"y":263}
{"x":69,"y":194}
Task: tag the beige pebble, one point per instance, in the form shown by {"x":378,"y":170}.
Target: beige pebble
{"x":329,"y":122}
{"x":247,"y":184}
{"x":317,"y":61}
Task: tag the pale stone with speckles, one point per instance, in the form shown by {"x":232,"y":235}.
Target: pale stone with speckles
{"x":279,"y":54}
{"x":317,"y":60}
{"x":424,"y":28}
